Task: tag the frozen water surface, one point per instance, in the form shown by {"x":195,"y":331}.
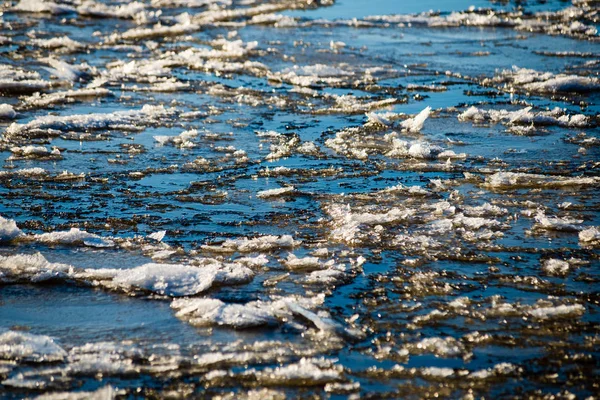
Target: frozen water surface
{"x":299,"y":199}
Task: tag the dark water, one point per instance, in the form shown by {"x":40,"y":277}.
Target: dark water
{"x":452,"y":254}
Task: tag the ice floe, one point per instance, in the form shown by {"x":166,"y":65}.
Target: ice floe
{"x":42,"y":6}
{"x":164,"y":279}
{"x":590,"y":236}
{"x":116,"y":120}
{"x":261,"y":243}
{"x":442,"y":347}
{"x":514,"y":180}
{"x":276,"y":192}
{"x":416,"y":124}
{"x":183,"y":140}
{"x":31,"y":267}
{"x":7,"y":111}
{"x":213,"y":312}
{"x":67,"y":96}
{"x":18,"y":81}
{"x":556,"y":267}
{"x":29,"y":347}
{"x":72,"y":236}
{"x":63,"y":42}
{"x":543,"y":222}
{"x":526,"y":117}
{"x":543,"y":82}
{"x":9,"y":230}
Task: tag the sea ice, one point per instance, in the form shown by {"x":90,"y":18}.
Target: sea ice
{"x":29,"y":347}
{"x":9,"y":230}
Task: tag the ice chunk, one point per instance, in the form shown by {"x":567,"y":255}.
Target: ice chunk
{"x":132,"y":10}
{"x":335,"y":274}
{"x":117,"y":119}
{"x":416,"y":124}
{"x":347,"y":224}
{"x":517,"y":179}
{"x":555,"y":267}
{"x":306,"y":371}
{"x":30,"y":267}
{"x":208,"y":312}
{"x":44,"y":100}
{"x":13,"y":80}
{"x":164,"y":279}
{"x":104,"y":358}
{"x":170,"y":85}
{"x":437,"y":372}
{"x":7,"y":111}
{"x":474,"y":223}
{"x":8,"y":230}
{"x":351,"y":104}
{"x":442,"y":347}
{"x":261,"y":243}
{"x":497,"y":370}
{"x":64,"y":70}
{"x":31,"y":348}
{"x":42,"y":6}
{"x":525,"y":117}
{"x":545,"y":82}
{"x":184,"y":26}
{"x":276,"y":192}
{"x":73,"y":236}
{"x":424,"y":150}
{"x":58,"y":42}
{"x":253,"y":262}
{"x":25,"y":172}
{"x":556,"y":223}
{"x":590,"y":235}
{"x":326,"y":325}
{"x":485,"y":209}
{"x":183,"y":140}
{"x":293,"y":262}
{"x":178,"y":280}
{"x":33,"y":152}
{"x":309,"y":75}
{"x":158,"y":236}
{"x":560,"y":311}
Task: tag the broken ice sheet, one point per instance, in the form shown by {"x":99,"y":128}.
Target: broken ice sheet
{"x":298,"y":199}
